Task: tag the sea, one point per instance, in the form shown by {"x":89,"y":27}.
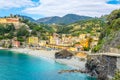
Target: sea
{"x":20,"y":66}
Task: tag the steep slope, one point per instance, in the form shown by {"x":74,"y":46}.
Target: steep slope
{"x":91,"y":26}
{"x":110,"y":36}
{"x":112,"y":43}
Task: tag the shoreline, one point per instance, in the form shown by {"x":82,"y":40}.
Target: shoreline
{"x":49,"y":55}
{"x":1,"y":48}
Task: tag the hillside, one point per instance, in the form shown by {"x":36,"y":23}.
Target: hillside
{"x":110,"y":36}
{"x":23,"y":29}
{"x":49,"y":20}
{"x":67,"y":19}
{"x":91,"y":26}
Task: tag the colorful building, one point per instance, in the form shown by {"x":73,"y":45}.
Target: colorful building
{"x":67,"y":40}
{"x":42,"y":42}
{"x":33,"y":40}
{"x":9,"y":20}
{"x":16,"y":44}
{"x":82,"y":36}
{"x":3,"y":20}
{"x":52,"y":40}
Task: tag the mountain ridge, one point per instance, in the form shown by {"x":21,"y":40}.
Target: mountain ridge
{"x":67,"y":19}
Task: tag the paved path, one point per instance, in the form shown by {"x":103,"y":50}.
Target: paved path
{"x":107,"y":54}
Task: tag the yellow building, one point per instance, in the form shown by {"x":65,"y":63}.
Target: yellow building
{"x":3,"y":20}
{"x":52,"y":40}
{"x":42,"y":42}
{"x":33,"y":40}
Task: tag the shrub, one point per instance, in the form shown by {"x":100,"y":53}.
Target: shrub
{"x":86,"y":48}
{"x":117,"y":75}
{"x":96,"y":48}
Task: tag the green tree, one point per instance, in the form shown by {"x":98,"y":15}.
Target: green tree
{"x":111,"y":28}
{"x":21,"y":39}
{"x":117,"y":76}
{"x":2,"y":29}
{"x":10,"y":35}
{"x":114,"y":15}
{"x":22,"y":32}
{"x":9,"y":28}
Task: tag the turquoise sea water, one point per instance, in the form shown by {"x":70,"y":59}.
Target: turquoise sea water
{"x":24,"y":67}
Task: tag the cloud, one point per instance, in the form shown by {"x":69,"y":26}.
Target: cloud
{"x":81,"y":7}
{"x":8,"y":4}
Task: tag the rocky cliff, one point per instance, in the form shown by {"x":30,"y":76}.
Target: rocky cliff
{"x":102,"y":67}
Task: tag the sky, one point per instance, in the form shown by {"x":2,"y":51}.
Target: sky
{"x":45,"y":8}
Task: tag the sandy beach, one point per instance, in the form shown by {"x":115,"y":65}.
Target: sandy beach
{"x":2,"y":48}
{"x":37,"y":53}
{"x":49,"y":55}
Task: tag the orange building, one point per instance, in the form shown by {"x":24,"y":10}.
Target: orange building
{"x":9,"y":20}
{"x":16,"y":44}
